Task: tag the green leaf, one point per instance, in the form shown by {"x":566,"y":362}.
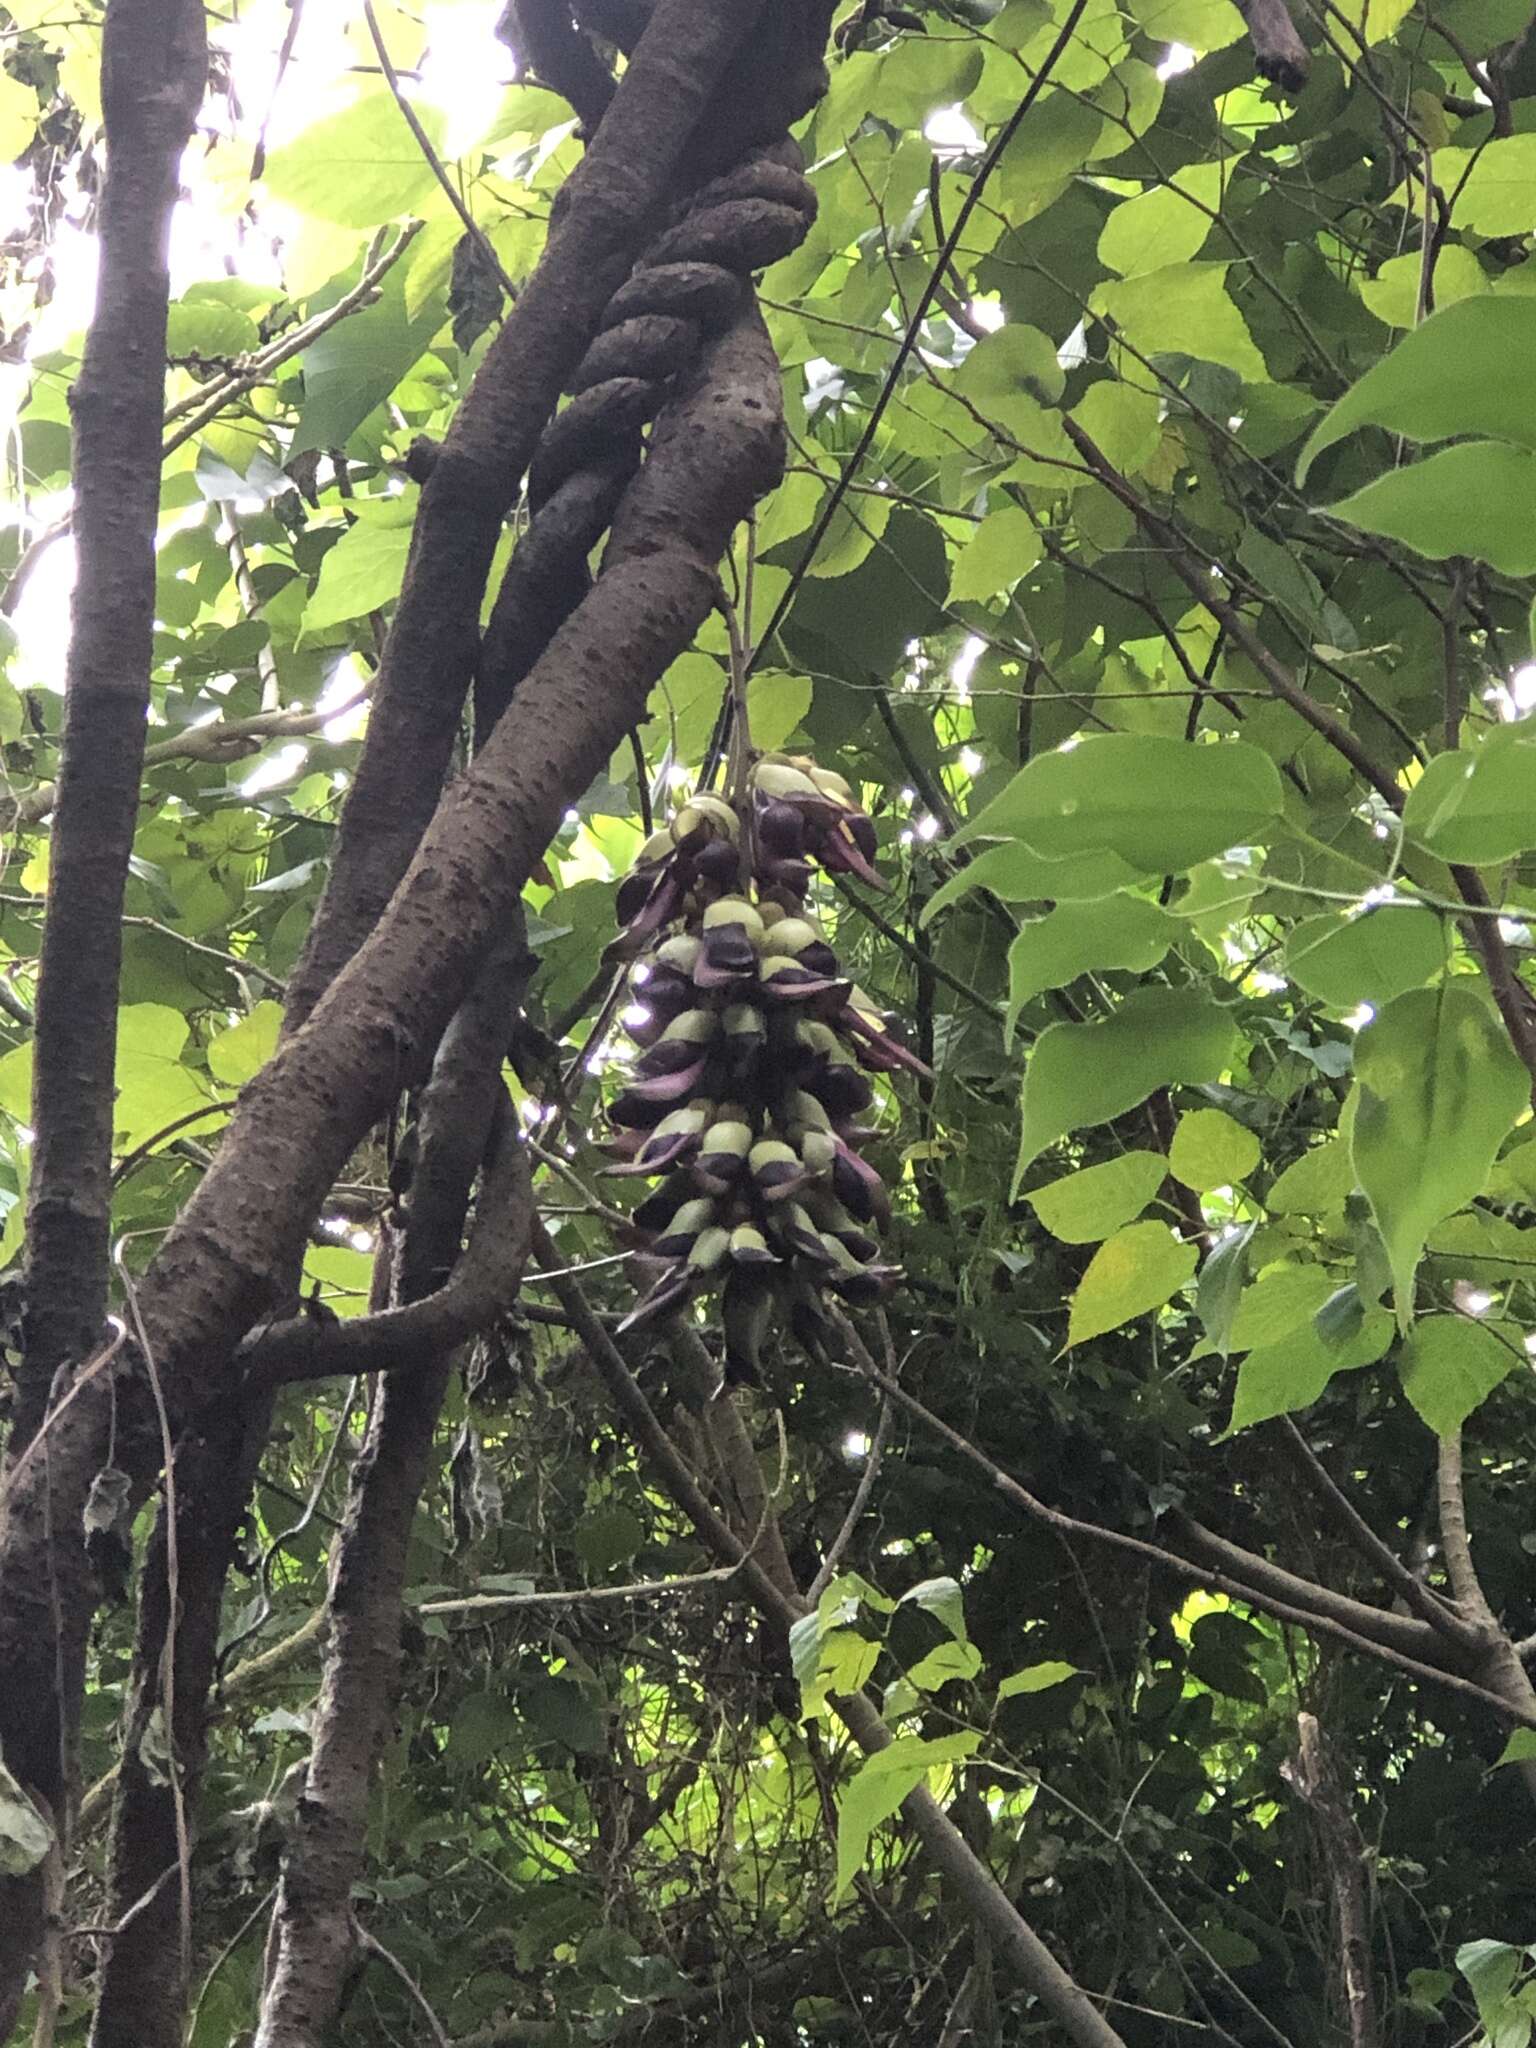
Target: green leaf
{"x":1166,"y":224}
{"x":1316,"y":1184}
{"x":1183,"y":309}
{"x":777,"y":704}
{"x":206,"y":327}
{"x":844,"y":1662}
{"x":1115,"y":932}
{"x":942,"y":1666}
{"x":1201,"y":24}
{"x":1020,"y":875}
{"x":607,"y":1537}
{"x":1478,"y":499}
{"x":343,"y":1276}
{"x":1477,"y":806}
{"x":1371,"y":958}
{"x":1036,"y":1678}
{"x":1469,"y":369}
{"x":1393,"y":293}
{"x":1440,"y":1088}
{"x":360,"y":167}
{"x":1279,"y":1301}
{"x":1093,"y":1203}
{"x":1158,"y":804}
{"x":1138,"y":1269}
{"x":1375,"y":19}
{"x":853,"y":531}
{"x":355,"y":365}
{"x":1221,"y":1285}
{"x":154,"y":1088}
{"x":805,"y":1647}
{"x":1014,"y":359}
{"x":483,"y":1722}
{"x":1451,"y":1364}
{"x":942,"y":1598}
{"x":1520,"y":1748}
{"x":1492,"y":186}
{"x":914,"y":79}
{"x":237,"y":1055}
{"x":878,"y":1787}
{"x":18,"y":116}
{"x":1123,"y":422}
{"x":1490,"y":1967}
{"x":1004,"y":547}
{"x":1284,"y":574}
{"x":359,"y":574}
{"x":1211,"y":1150}
{"x":1282,"y":1378}
{"x":1083,"y":1074}
{"x":685,"y":705}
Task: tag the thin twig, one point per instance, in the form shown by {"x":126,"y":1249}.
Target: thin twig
{"x":371,"y":1944}
{"x":130,"y":1160}
{"x":217,"y":741}
{"x":266,"y":661}
{"x":866,"y":1486}
{"x":199,"y":407}
{"x":1424,"y":1601}
{"x":903,"y":944}
{"x":472,"y":227}
{"x":172,"y":1611}
{"x":238,"y":961}
{"x":1169,"y":1560}
{"x":224,"y":1955}
{"x":579,"y":1596}
{"x":91,"y":1370}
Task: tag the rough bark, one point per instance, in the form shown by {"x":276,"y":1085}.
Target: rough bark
{"x":464,"y":1100}
{"x":154,"y":63}
{"x":722,"y":448}
{"x":141,"y":1996}
{"x":418,"y":695}
{"x":1278,"y":51}
{"x":1314,"y":1777}
{"x":297,"y":1122}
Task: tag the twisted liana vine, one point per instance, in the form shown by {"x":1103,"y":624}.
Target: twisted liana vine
{"x":690,"y":283}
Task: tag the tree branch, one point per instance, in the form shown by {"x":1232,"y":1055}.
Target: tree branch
{"x":1424,"y":1601}
{"x":1313,"y":1776}
{"x":713,"y":454}
{"x":482,"y":1286}
{"x":606,"y":207}
{"x":154,"y":64}
{"x":1260,"y":1590}
{"x":315,"y":1931}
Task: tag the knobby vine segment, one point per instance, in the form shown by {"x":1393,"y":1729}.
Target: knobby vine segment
{"x":688,"y":285}
{"x":620,"y":186}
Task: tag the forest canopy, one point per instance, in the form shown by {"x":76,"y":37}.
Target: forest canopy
{"x":767,"y":1026}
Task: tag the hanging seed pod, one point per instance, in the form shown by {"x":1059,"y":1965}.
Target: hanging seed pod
{"x":755,"y":1051}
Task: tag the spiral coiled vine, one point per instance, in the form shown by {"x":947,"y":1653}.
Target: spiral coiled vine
{"x":755,"y":1063}
{"x":688,"y":284}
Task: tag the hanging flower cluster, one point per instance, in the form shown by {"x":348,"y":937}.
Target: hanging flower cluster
{"x":756,"y":1051}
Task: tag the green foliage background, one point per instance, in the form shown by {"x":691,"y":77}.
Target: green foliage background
{"x":1174,"y":624}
